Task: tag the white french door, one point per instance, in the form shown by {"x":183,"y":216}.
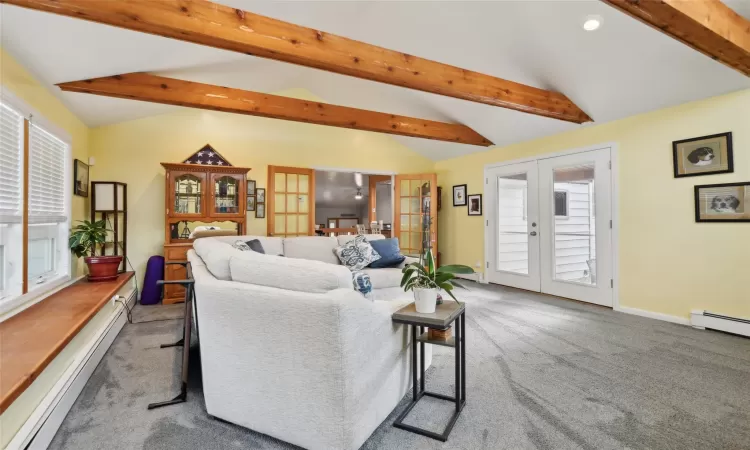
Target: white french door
{"x":549,"y":226}
{"x":512,"y":213}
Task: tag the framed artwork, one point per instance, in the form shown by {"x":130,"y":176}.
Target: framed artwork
{"x":260,"y":194}
{"x":729,"y":202}
{"x":475,"y":205}
{"x":251,"y":203}
{"x":706,"y":155}
{"x":251,"y":187}
{"x":80,"y":178}
{"x":459,"y":195}
{"x":440,"y":198}
{"x":260,"y":211}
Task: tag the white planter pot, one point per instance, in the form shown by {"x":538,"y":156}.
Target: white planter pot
{"x":425,"y":300}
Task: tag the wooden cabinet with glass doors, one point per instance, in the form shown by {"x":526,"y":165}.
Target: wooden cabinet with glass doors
{"x":198,"y":195}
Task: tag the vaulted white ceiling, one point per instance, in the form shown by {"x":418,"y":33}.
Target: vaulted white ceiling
{"x":624,"y":68}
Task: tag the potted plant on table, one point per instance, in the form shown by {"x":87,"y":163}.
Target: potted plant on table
{"x":425,"y":280}
{"x":83,"y":241}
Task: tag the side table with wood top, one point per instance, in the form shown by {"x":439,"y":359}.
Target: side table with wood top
{"x":445,"y":314}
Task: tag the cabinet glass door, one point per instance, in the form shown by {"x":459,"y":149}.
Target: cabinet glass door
{"x":187,"y":194}
{"x":227,"y":192}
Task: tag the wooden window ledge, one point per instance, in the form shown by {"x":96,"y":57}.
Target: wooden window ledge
{"x":31,"y":339}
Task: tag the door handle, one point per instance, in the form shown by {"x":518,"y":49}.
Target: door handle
{"x":533,"y":233}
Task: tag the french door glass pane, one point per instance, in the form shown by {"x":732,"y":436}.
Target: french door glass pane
{"x":415,"y":214}
{"x":575,"y":231}
{"x":512,"y":227}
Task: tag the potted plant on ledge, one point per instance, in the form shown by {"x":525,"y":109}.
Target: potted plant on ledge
{"x":425,"y":280}
{"x":83,"y":241}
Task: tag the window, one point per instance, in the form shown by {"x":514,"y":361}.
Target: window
{"x":32,"y":266}
{"x":11,"y":180}
{"x":561,"y":204}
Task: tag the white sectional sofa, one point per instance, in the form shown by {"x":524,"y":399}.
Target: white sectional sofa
{"x":290,"y":349}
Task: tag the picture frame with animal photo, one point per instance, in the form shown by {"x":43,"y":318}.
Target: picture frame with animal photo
{"x":459,"y":195}
{"x":727,"y":202}
{"x":705,"y":155}
{"x":474,"y":206}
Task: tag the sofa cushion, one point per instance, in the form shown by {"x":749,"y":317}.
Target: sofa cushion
{"x":215,"y":255}
{"x":343,"y":239}
{"x":390,"y":253}
{"x":288,"y":273}
{"x":384,"y":278}
{"x":315,"y":248}
{"x":357,"y":254}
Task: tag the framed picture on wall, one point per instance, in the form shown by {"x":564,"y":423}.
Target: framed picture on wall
{"x":459,"y":195}
{"x":260,"y":211}
{"x":729,"y":202}
{"x":706,"y":155}
{"x":260,"y":194}
{"x":80,"y":178}
{"x":475,"y":205}
{"x":251,"y":203}
{"x":250,"y":187}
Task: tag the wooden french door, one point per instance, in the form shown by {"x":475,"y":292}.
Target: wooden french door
{"x":291,"y":201}
{"x":415,"y":218}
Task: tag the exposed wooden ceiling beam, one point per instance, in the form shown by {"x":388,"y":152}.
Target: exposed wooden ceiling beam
{"x":708,"y":26}
{"x":170,"y":91}
{"x":220,"y":26}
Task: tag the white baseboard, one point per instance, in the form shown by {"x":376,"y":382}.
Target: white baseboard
{"x":653,"y":315}
{"x":476,"y":276}
{"x":40,"y":428}
{"x":736,"y":326}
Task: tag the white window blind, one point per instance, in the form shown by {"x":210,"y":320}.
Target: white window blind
{"x":11,"y":155}
{"x":46,"y":177}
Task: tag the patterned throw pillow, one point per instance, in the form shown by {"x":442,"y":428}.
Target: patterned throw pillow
{"x":241,"y":245}
{"x":356,"y":254}
{"x":362,"y":283}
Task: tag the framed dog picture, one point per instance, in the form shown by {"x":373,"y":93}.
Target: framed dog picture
{"x":459,"y":195}
{"x":705,"y":155}
{"x":728,"y":202}
{"x":475,"y":205}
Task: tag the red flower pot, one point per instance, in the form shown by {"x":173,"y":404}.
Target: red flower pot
{"x":103,"y":268}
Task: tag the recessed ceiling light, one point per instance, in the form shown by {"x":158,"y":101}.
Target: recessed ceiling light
{"x":592,"y":23}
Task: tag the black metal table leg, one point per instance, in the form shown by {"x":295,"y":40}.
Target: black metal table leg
{"x":463,"y":356}
{"x":421,"y":362}
{"x":186,"y":331}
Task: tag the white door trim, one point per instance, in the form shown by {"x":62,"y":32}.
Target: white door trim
{"x":614,"y":180}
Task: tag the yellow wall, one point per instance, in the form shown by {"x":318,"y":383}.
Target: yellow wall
{"x":668,"y":263}
{"x":131,"y":152}
{"x":25,"y":87}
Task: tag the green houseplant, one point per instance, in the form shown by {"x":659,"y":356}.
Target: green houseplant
{"x":83,"y":241}
{"x":425,"y":279}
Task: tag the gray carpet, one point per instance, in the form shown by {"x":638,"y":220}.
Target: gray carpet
{"x":543,"y":373}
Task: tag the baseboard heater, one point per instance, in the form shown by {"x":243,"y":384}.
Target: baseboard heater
{"x":705,"y":319}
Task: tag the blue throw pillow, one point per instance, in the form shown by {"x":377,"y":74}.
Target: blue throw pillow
{"x":389,"y":251}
